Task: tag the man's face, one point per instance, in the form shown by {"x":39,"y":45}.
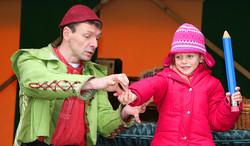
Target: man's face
{"x":83,"y":42}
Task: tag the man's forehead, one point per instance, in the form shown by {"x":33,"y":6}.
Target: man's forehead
{"x":88,"y":27}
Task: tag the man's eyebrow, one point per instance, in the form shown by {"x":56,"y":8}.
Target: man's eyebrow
{"x":88,"y":31}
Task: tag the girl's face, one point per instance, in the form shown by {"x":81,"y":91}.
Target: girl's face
{"x":187,"y":62}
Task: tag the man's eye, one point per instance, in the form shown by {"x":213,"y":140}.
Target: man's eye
{"x":87,"y":36}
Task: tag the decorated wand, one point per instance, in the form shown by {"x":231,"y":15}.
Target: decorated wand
{"x":229,"y":62}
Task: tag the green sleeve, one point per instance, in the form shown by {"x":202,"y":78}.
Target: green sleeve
{"x":47,"y":79}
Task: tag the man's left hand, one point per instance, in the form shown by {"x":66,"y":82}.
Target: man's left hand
{"x":135,"y":111}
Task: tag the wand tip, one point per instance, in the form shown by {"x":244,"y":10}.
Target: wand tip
{"x":226,"y":35}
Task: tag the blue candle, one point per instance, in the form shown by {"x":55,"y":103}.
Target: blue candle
{"x":229,"y":62}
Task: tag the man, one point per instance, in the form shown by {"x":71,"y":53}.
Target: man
{"x":59,"y":83}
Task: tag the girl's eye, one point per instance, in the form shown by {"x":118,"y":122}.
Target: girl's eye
{"x":177,"y":57}
{"x":190,"y":56}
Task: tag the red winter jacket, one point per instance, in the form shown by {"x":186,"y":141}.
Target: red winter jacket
{"x":187,"y":112}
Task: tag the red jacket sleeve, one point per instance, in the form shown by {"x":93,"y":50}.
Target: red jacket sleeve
{"x":220,"y":116}
{"x":152,"y":86}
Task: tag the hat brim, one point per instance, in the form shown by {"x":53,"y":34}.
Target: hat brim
{"x":207,"y":57}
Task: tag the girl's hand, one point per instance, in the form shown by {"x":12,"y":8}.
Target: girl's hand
{"x":235,"y":97}
{"x":126,"y":97}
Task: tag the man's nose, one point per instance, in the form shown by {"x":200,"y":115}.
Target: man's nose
{"x":94,"y":43}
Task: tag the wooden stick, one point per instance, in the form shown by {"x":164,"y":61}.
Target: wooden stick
{"x":9,"y":81}
{"x":212,"y":46}
{"x":168,"y":11}
{"x":219,"y":52}
{"x":103,"y":3}
{"x":56,"y":42}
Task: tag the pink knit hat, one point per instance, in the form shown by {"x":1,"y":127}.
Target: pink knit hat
{"x":188,"y":39}
{"x":79,"y":13}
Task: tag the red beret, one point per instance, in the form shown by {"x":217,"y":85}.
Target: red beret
{"x":79,"y":13}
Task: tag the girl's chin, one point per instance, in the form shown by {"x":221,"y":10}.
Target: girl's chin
{"x":185,"y":72}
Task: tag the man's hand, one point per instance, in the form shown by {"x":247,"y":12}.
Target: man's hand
{"x":108,"y":83}
{"x":135,"y":111}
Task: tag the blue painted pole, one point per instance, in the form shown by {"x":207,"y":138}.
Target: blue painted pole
{"x":229,"y":62}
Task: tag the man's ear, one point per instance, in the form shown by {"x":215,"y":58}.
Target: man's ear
{"x":66,"y":33}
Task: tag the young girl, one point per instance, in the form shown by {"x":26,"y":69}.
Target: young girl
{"x":191,"y":102}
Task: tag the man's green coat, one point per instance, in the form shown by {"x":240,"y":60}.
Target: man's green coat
{"x":44,"y":84}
